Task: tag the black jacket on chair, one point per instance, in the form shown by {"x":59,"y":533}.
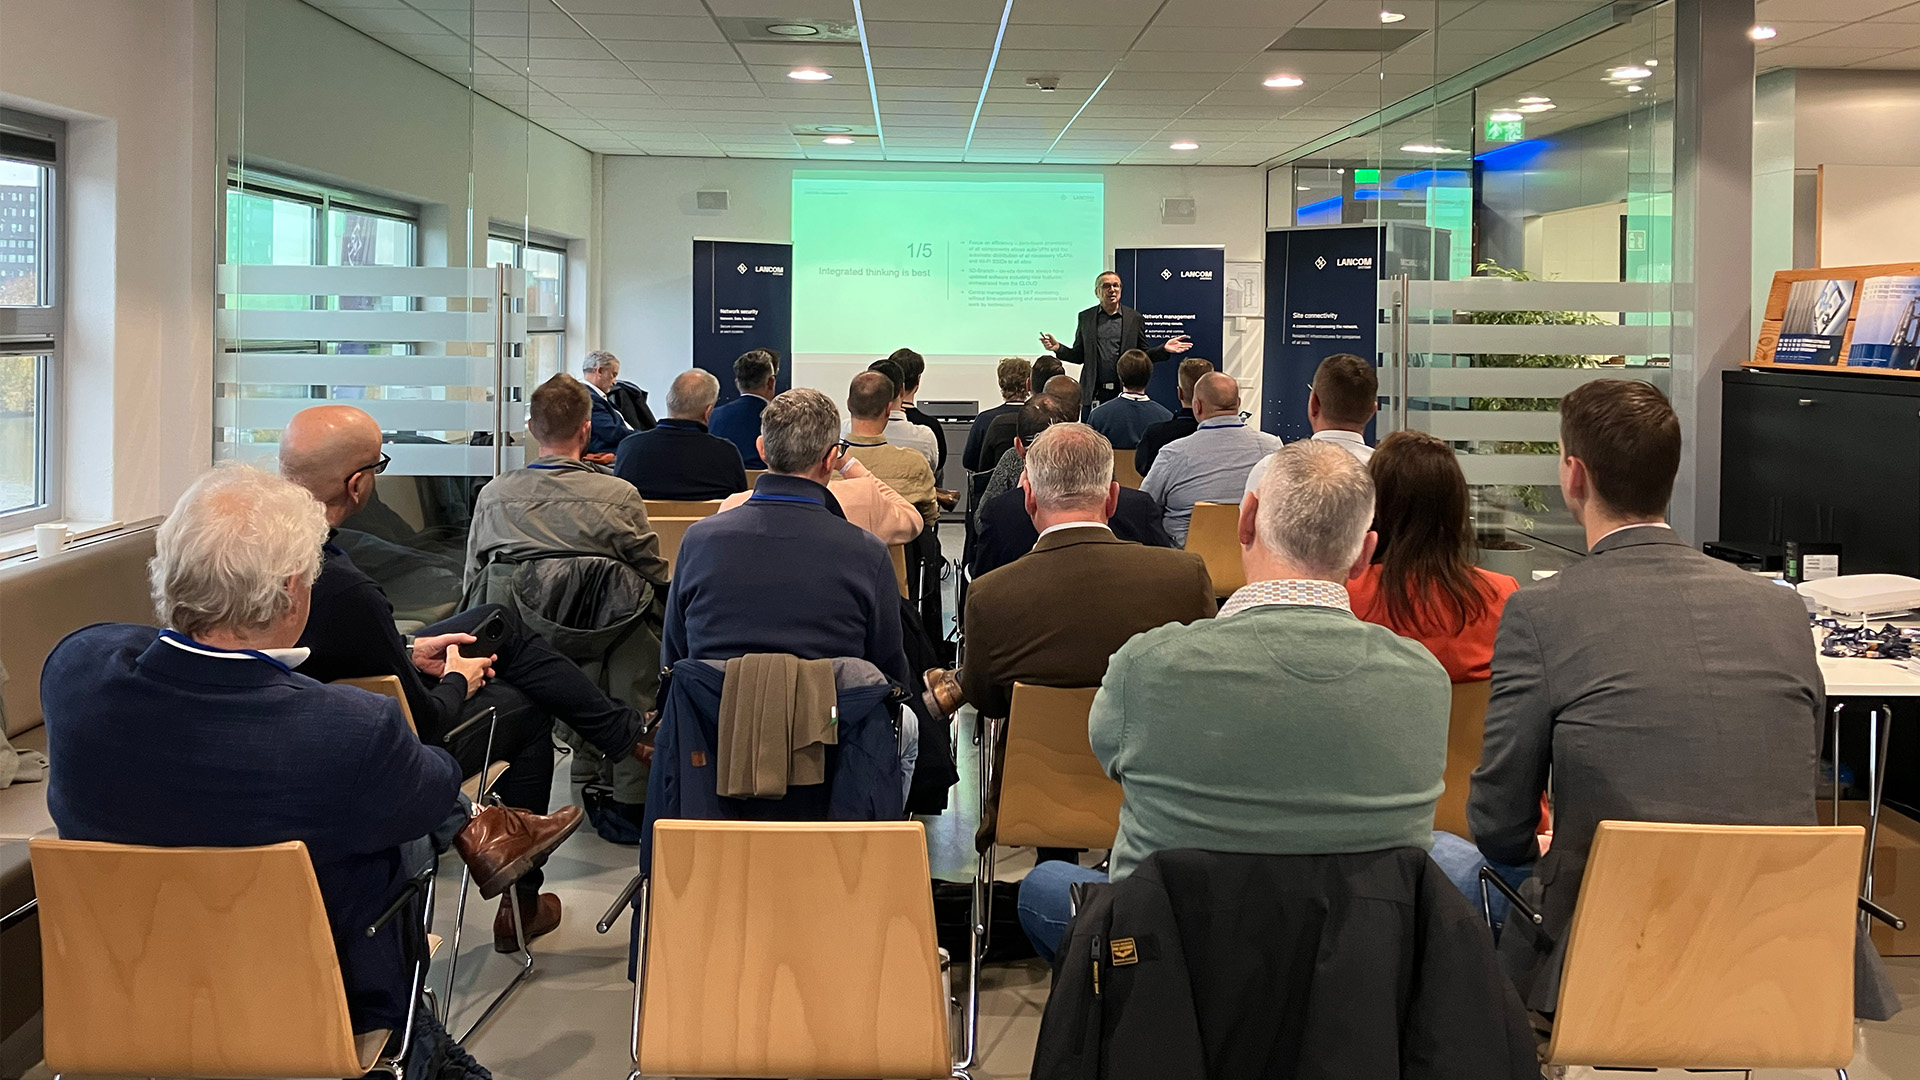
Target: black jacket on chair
{"x":1200,"y":964}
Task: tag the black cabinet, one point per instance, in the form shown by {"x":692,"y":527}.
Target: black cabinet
{"x":1824,"y":457}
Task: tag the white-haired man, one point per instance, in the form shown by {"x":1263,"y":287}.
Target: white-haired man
{"x":1285,"y":726}
{"x":601,"y":372}
{"x":680,"y":458}
{"x":202,"y":735}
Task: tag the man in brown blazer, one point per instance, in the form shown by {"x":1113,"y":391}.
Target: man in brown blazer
{"x":1054,"y":616}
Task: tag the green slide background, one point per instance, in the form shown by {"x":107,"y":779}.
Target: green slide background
{"x":953,"y":264}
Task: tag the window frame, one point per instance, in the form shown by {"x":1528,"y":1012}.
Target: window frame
{"x":542,"y":326}
{"x":40,"y":331}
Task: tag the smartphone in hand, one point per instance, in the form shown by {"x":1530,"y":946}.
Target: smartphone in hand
{"x":487,"y":637}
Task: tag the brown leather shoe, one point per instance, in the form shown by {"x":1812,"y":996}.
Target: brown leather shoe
{"x":943,"y":691}
{"x":502,"y":843}
{"x":541,"y":917}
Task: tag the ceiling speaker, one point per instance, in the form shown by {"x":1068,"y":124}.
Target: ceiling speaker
{"x":710,"y":200}
{"x":1176,"y":212}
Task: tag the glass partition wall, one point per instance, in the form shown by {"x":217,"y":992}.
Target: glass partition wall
{"x":1542,"y":177}
{"x":364,"y":191}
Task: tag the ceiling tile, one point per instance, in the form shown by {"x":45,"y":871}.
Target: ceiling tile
{"x":930,"y":35}
{"x":1883,"y":36}
{"x":1834,"y":11}
{"x":652,"y":27}
{"x":696,"y":52}
{"x":960,"y":11}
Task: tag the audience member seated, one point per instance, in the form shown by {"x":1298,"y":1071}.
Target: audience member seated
{"x":630,"y":402}
{"x":1423,"y":583}
{"x":866,"y":501}
{"x":1182,"y":424}
{"x":912,"y":367}
{"x":333,"y":451}
{"x":869,"y":399}
{"x":1659,"y":685}
{"x":1064,"y":389}
{"x":1344,"y":397}
{"x":1004,"y":529}
{"x":1039,"y":413}
{"x":1015,"y":376}
{"x":1002,"y":431}
{"x":1285,"y":726}
{"x":786,"y":572}
{"x":600,"y":371}
{"x":1126,"y":418}
{"x":678,"y":459}
{"x":1211,"y":464}
{"x":202,"y":735}
{"x":755,"y":374}
{"x":901,"y":431}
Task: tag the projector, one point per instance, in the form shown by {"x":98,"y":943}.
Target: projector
{"x":1864,"y":596}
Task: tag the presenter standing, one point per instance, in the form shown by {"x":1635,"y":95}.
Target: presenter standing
{"x":1106,"y":330}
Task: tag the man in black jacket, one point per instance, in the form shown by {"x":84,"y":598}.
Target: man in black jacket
{"x":1106,"y":330}
{"x":1005,"y":427}
{"x":1003,"y":530}
{"x":333,"y":451}
{"x":1182,"y":425}
{"x":913,"y":365}
{"x":679,"y":459}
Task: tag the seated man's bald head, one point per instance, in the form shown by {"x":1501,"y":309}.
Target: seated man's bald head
{"x":325,"y":446}
{"x":1216,"y":394}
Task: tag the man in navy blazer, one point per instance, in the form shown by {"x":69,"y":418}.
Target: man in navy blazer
{"x":755,"y":374}
{"x":678,"y":459}
{"x":785,"y":572}
{"x":1102,"y":333}
{"x":1003,"y":530}
{"x":203,"y":735}
{"x":600,"y":371}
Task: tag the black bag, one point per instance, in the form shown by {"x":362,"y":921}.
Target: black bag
{"x":608,"y":819}
{"x":953,"y":911}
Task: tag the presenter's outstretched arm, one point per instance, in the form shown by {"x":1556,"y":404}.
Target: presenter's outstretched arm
{"x":1177,"y":345}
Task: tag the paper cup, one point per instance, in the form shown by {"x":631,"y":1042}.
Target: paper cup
{"x":49,"y":540}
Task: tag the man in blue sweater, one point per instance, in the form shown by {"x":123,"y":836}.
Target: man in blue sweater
{"x":1126,"y":418}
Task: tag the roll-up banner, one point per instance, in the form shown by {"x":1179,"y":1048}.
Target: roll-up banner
{"x":742,"y":299}
{"x":1177,"y":290}
{"x":1322,"y":298}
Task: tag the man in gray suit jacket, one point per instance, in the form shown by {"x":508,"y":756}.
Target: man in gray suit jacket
{"x":1656,"y":683}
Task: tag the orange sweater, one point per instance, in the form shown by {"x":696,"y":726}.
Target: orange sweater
{"x":1467,"y":655}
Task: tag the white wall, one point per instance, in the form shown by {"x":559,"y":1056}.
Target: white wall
{"x":133,"y":79}
{"x":649,"y":223}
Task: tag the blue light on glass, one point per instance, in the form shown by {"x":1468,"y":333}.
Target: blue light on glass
{"x":1324,"y":212}
{"x":1513,"y":156}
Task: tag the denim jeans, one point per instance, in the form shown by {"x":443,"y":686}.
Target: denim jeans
{"x":1046,"y":905}
{"x":1461,"y":861}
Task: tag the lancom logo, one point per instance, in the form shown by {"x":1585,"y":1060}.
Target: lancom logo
{"x":1203,"y":275}
{"x":1320,"y":263}
{"x":1165,"y":274}
{"x":742,"y":268}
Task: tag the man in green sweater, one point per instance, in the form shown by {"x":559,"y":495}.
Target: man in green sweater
{"x":1286,"y":726}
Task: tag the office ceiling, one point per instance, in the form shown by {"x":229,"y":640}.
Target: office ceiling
{"x":948,"y":80}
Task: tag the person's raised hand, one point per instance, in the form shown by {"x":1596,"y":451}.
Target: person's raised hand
{"x":475,"y":669}
{"x":1178,"y":345}
{"x":430,"y":653}
{"x":1048,"y":341}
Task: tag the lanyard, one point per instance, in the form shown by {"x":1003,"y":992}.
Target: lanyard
{"x":785,"y":498}
{"x":196,"y":646}
{"x":550,"y":468}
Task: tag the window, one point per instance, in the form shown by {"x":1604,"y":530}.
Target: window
{"x":546,"y":301}
{"x":30,"y":319}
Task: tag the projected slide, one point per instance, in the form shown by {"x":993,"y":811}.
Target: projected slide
{"x":954,"y":265}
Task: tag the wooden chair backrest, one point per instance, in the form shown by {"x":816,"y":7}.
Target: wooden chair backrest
{"x":1214,"y":533}
{"x":1712,"y":946}
{"x":385,"y":686}
{"x":1123,"y":469}
{"x":1053,"y":792}
{"x":671,"y":530}
{"x":682,"y":508}
{"x":753,"y":477}
{"x":791,"y":949}
{"x":1466,"y":731}
{"x":899,"y":555}
{"x":206,"y":962}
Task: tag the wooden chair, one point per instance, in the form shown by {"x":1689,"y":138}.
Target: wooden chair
{"x":1123,"y":469}
{"x":682,"y":508}
{"x":671,"y":530}
{"x":1053,"y":792}
{"x":202,"y":962}
{"x":899,"y":554}
{"x":776,"y":949}
{"x":753,"y":477}
{"x":1214,"y":533}
{"x":1466,"y":731}
{"x":1712,"y":947}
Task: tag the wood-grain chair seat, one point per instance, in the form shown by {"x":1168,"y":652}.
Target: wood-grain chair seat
{"x":693,"y":508}
{"x":1466,"y":731}
{"x":1214,"y":534}
{"x":776,"y":949}
{"x":1123,"y":470}
{"x":191,"y":962}
{"x":672,"y":530}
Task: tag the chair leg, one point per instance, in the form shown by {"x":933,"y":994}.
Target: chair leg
{"x":526,"y":968}
{"x":981,"y":915}
{"x":396,"y":1063}
{"x":453,"y":959}
{"x":639,"y":977}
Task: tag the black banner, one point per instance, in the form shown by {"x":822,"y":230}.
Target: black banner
{"x":1179,"y":290}
{"x":1322,"y":298}
{"x":742,"y":299}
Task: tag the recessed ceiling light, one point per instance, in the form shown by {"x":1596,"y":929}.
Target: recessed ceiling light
{"x":1762,"y":33}
{"x":1503,"y":116}
{"x":788,"y":29}
{"x":1303,"y":187}
{"x":1341,"y":172}
{"x":1538,"y":106}
{"x":833,"y":128}
{"x":1628,"y":73}
{"x":837,"y":140}
{"x":1392,"y":17}
{"x":1651,"y":63}
{"x":1184,"y":144}
{"x":808,"y":75}
{"x":1284,"y":80}
{"x":1425,"y":148}
{"x":1634,"y":88}
{"x":1533,"y":99}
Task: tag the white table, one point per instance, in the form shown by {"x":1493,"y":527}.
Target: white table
{"x":1881,"y":679}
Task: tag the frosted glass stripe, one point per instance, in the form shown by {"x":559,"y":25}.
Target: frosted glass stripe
{"x":1494,"y":294}
{"x":1539,"y":469}
{"x":236,"y":279}
{"x":310,"y":369}
{"x":391,"y":415}
{"x":409,"y":326}
{"x":1516,"y":382}
{"x":1460,"y":425}
{"x":409,"y":459}
{"x":1606,"y":340}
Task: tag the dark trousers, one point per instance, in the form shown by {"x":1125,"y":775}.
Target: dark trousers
{"x":532,"y":686}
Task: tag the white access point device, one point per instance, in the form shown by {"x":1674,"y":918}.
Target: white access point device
{"x":1864,"y":596}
